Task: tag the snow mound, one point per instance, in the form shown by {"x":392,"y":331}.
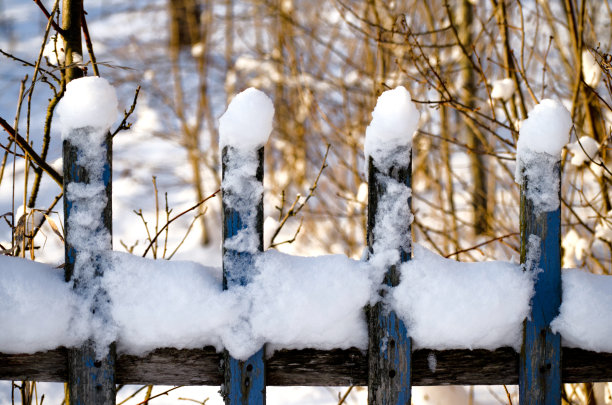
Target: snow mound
{"x":394,"y":121}
{"x":585,"y":316}
{"x":546,"y":129}
{"x":88,"y":102}
{"x":247,"y":122}
{"x":452,"y":305}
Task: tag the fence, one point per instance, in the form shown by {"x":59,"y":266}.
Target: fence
{"x":389,"y":368}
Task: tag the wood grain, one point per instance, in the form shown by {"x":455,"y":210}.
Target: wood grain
{"x":310,"y":367}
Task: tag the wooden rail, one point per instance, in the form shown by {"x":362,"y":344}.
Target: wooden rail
{"x":311,"y":367}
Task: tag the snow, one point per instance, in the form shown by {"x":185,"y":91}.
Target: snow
{"x":38,"y":307}
{"x":86,"y":112}
{"x":54,"y":51}
{"x":247,"y":122}
{"x":88,"y":102}
{"x":575,"y":249}
{"x":394,"y":121}
{"x":585,"y":318}
{"x":452,"y":305}
{"x":546,"y":130}
{"x":503,"y":89}
{"x":160,"y":303}
{"x":541,"y":138}
{"x":310,"y":302}
{"x":242,"y":192}
{"x":391,"y":226}
{"x":584,"y":150}
{"x":603,"y":230}
{"x":591,"y":71}
{"x":292,"y":302}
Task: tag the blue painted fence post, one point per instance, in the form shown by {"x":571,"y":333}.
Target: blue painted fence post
{"x":244,"y":381}
{"x":91,"y":380}
{"x":540,"y":360}
{"x":389,"y":348}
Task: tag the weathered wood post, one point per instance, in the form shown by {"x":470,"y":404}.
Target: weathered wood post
{"x":86,"y":112}
{"x":542,"y":137}
{"x":243,"y":129}
{"x":388,"y":149}
{"x":87,"y":186}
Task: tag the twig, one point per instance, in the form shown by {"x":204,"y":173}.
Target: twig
{"x":126,"y":115}
{"x":29,"y":64}
{"x":346,"y":394}
{"x":159,"y":395}
{"x":133,"y":395}
{"x":295,"y":208}
{"x":508,"y":395}
{"x":289,"y":241}
{"x":23,"y":144}
{"x":189,"y":228}
{"x":50,"y":17}
{"x":88,"y":43}
{"x":482,"y":244}
{"x":177,"y":217}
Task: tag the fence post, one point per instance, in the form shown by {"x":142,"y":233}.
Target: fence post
{"x":539,"y":176}
{"x":244,"y":129}
{"x":389,"y":179}
{"x":87,"y":155}
{"x":244,"y":380}
{"x":540,"y":366}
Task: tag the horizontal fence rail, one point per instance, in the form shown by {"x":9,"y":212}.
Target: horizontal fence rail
{"x":311,"y":367}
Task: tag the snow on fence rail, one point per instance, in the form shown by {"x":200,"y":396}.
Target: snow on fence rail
{"x":277,"y":319}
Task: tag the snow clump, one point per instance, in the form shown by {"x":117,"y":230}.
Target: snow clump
{"x":54,"y":51}
{"x":546,"y":130}
{"x":591,"y":71}
{"x":583,"y":154}
{"x":38,"y":310}
{"x":247,"y":122}
{"x":541,"y":138}
{"x":452,"y":305}
{"x":88,"y":102}
{"x":585,"y":319}
{"x":389,"y":136}
{"x":503,"y":89}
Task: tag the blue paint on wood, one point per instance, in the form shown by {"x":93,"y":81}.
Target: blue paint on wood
{"x":244,"y":381}
{"x":247,"y":380}
{"x":540,"y":364}
{"x":389,"y":362}
{"x":90,"y":381}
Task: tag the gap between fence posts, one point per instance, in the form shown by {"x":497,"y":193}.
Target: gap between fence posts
{"x":244,"y":381}
{"x":389,"y":347}
{"x":540,"y":357}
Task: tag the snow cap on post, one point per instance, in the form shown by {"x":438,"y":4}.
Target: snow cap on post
{"x":546,"y":129}
{"x":394,"y":121}
{"x":538,"y":152}
{"x":247,"y":122}
{"x":88,"y":102}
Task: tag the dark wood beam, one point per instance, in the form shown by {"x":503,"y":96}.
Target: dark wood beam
{"x":311,"y":367}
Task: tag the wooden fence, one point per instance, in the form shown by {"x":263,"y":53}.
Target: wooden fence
{"x":389,"y":370}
